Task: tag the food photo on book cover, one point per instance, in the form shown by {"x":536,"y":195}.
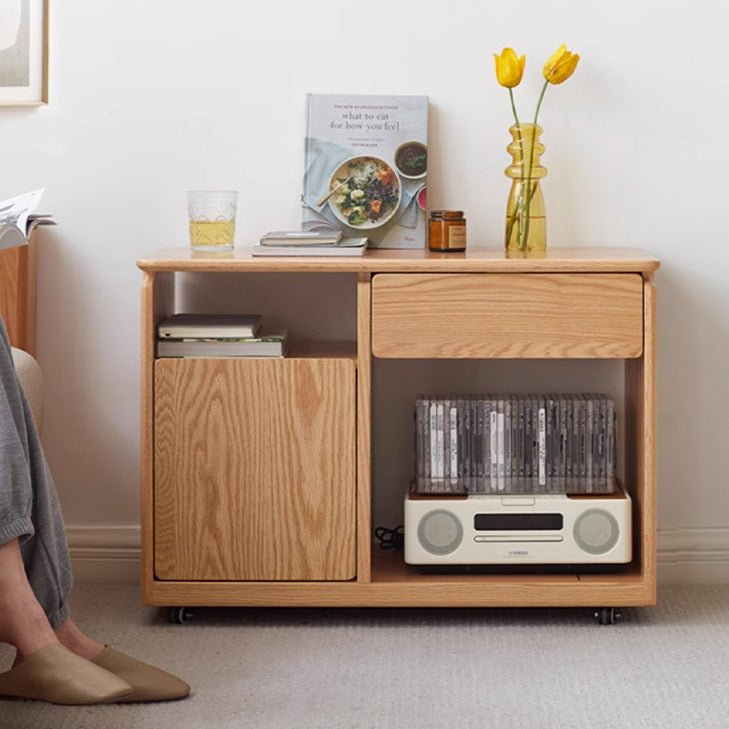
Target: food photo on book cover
{"x":366,"y":160}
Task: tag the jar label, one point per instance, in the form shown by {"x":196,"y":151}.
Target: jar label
{"x":457,"y":236}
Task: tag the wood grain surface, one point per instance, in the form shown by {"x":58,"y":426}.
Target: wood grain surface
{"x":395,"y":584}
{"x":254,"y":469}
{"x":640,"y":445}
{"x":364,"y":430}
{"x":158,"y":299}
{"x":507,"y":315}
{"x":475,"y":259}
{"x":18,"y":293}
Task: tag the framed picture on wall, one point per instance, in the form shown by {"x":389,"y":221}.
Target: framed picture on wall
{"x":23,"y":52}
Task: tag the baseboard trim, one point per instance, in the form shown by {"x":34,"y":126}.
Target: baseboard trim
{"x":686,"y":556}
{"x":689,"y":556}
{"x":104,"y":553}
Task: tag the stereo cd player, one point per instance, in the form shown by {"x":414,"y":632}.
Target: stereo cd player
{"x":526,"y":529}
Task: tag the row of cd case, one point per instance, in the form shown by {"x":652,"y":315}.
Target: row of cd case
{"x":515,"y":444}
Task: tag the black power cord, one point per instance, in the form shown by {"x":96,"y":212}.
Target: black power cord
{"x":390,"y":538}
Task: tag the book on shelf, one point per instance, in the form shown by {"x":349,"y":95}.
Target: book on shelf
{"x":17,"y":219}
{"x":365,"y":167}
{"x":301,"y":238}
{"x":209,"y":326}
{"x":345,"y":247}
{"x":266,"y":344}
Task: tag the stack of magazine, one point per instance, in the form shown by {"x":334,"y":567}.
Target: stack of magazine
{"x":541,"y":444}
{"x":218,"y":335}
{"x":17,"y":219}
{"x":309,"y":243}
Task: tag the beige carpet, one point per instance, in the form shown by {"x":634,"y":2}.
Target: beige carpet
{"x":662,"y":668}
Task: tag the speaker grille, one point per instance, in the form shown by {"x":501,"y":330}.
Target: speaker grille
{"x":596,"y":531}
{"x":440,"y":532}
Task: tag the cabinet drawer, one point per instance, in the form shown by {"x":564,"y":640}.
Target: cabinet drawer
{"x":560,"y":315}
{"x":254,"y":469}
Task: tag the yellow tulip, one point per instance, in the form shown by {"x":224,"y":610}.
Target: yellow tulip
{"x":509,"y":68}
{"x":561,"y":65}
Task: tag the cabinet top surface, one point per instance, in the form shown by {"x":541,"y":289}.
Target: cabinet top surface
{"x":473,"y":260}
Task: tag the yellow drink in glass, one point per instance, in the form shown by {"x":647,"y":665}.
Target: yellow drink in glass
{"x":212,"y":219}
{"x":212,"y":235}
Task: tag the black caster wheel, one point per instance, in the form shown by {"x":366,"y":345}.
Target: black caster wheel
{"x":608,"y":616}
{"x":181,"y":615}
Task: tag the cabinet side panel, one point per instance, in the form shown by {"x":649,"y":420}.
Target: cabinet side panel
{"x":157,"y":303}
{"x":364,"y":432}
{"x":254,"y":469}
{"x":640,"y":445}
{"x":534,"y":315}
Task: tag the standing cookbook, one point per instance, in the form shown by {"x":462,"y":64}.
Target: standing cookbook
{"x":365,"y":168}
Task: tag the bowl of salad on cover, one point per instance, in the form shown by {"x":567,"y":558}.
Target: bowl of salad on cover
{"x":367,"y":194}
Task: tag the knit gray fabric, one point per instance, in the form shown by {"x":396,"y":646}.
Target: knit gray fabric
{"x":29,"y":508}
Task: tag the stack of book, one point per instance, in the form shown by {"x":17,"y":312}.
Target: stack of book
{"x":309,"y":243}
{"x":218,"y":335}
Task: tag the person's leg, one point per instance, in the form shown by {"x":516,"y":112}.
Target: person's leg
{"x":34,"y":515}
{"x":30,"y":515}
{"x":71,"y":636}
{"x":23,"y":623}
{"x":35,"y":575}
{"x":35,"y":579}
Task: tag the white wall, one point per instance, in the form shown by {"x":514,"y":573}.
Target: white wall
{"x":149,"y":99}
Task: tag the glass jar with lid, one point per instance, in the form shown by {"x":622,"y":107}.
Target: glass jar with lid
{"x":447,"y":231}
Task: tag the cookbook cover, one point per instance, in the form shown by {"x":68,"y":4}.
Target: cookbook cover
{"x":365,"y":167}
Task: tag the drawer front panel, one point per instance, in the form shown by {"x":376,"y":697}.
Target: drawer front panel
{"x":254,"y":469}
{"x":560,"y":315}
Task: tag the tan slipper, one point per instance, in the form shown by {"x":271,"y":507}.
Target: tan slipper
{"x":148,"y":682}
{"x":57,"y":675}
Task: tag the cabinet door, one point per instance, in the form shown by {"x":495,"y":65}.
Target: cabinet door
{"x":254,"y":470}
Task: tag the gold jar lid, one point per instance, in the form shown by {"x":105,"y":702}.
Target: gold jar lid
{"x":446,"y":214}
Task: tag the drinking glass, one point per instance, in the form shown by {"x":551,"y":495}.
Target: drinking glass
{"x":212,"y":219}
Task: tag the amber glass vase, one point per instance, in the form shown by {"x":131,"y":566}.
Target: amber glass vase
{"x":526,"y":225}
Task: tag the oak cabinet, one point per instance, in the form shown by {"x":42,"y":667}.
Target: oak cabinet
{"x":256,"y":474}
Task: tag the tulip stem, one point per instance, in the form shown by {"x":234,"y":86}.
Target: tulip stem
{"x":519,"y":203}
{"x":539,"y":103}
{"x":513,"y":107}
{"x":525,"y":231}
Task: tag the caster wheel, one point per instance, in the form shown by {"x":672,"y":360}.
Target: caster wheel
{"x":181,"y":615}
{"x":608,"y":616}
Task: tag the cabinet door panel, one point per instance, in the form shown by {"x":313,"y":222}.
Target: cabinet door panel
{"x":561,"y":315}
{"x":254,"y":469}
